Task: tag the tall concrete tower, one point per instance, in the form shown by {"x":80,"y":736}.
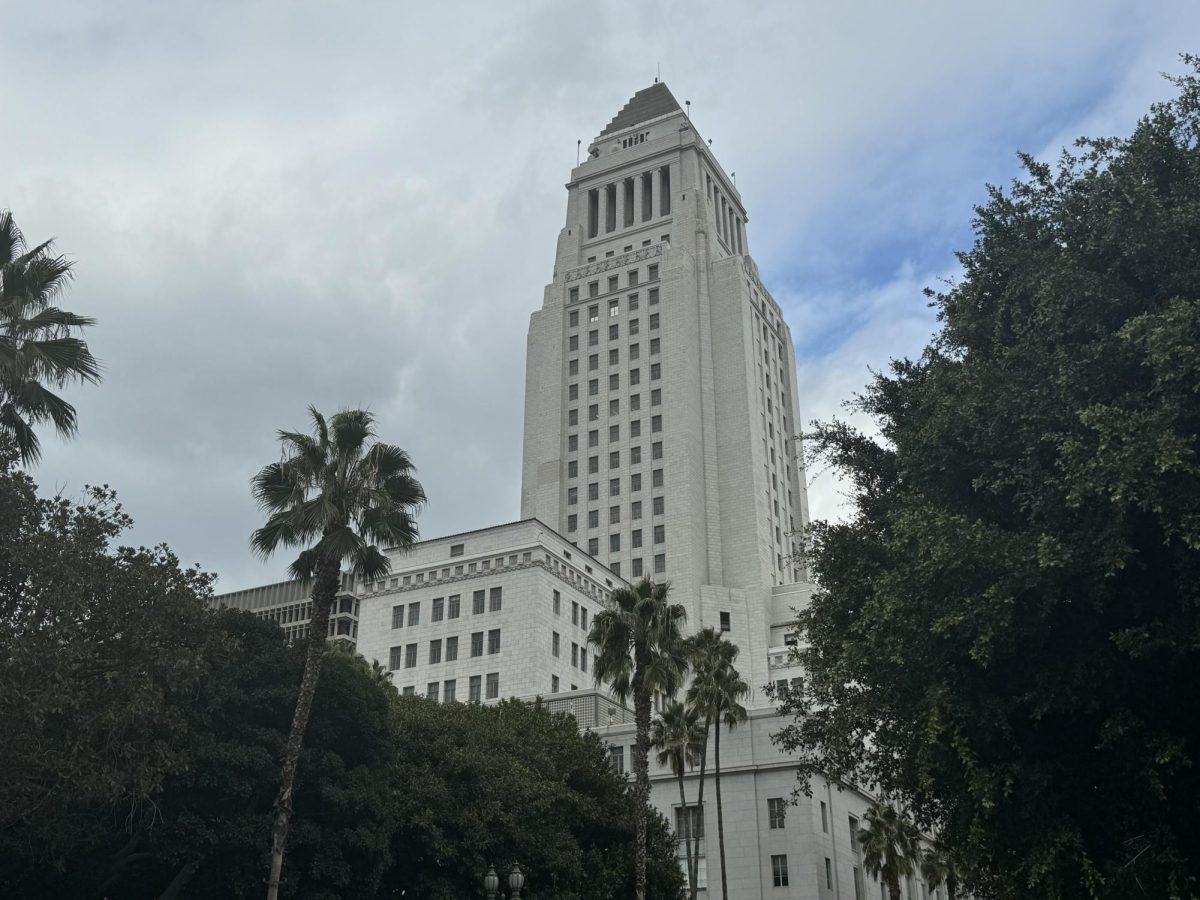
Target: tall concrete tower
{"x":660,"y":396}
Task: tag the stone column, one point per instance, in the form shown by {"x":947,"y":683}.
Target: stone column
{"x":637,"y":199}
{"x":619,"y":218}
{"x":602,"y":209}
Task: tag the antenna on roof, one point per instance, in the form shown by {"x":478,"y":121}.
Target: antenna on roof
{"x":688,"y":104}
{"x":657,"y":72}
{"x":578,"y":144}
{"x":733,"y":175}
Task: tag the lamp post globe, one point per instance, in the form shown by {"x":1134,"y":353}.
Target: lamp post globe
{"x":516,"y":881}
{"x":491,"y":883}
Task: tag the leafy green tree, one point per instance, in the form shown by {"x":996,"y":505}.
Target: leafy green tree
{"x":890,"y":847}
{"x":39,"y":349}
{"x":338,"y":493}
{"x":715,"y":695}
{"x":640,"y":651}
{"x":480,"y":785}
{"x":1005,"y":634}
{"x":679,"y":738}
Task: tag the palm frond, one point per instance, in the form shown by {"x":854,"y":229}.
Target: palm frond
{"x":12,"y":241}
{"x":60,"y":359}
{"x":40,"y":405}
{"x":21,"y":432}
{"x":351,"y":429}
{"x":369,"y":564}
{"x":277,"y":487}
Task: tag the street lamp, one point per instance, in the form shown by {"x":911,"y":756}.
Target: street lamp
{"x":491,"y":883}
{"x":516,"y":881}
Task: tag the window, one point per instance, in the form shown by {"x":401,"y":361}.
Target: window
{"x":593,"y":387}
{"x":725,"y":627}
{"x":574,"y":613}
{"x":614,"y":382}
{"x":652,"y":272}
{"x":435,"y":651}
{"x":398,"y":616}
{"x":614,"y":433}
{"x":593,"y":439}
{"x":572,"y":392}
{"x":614,"y":307}
{"x":594,"y":310}
{"x":495,"y":600}
{"x":779,"y":870}
{"x":477,"y":600}
{"x":652,"y":299}
{"x":659,"y":505}
{"x":395,"y":657}
{"x":593,"y":465}
{"x":573,"y":443}
{"x":653,"y":321}
{"x":572,"y":496}
{"x":635,"y":538}
{"x":574,"y":654}
{"x":655,"y":346}
{"x":613,"y":282}
{"x":431,"y":691}
{"x":656,"y":450}
{"x":573,"y":318}
{"x":614,"y":356}
{"x":409,"y":691}
{"x":636,"y":567}
{"x":614,"y":515}
{"x":414,"y":614}
{"x":583,"y":659}
{"x":476,"y":644}
{"x":573,"y":342}
{"x":583,"y":617}
{"x":632,"y":277}
{"x":439,"y":610}
{"x":824,"y":817}
{"x":635,"y":509}
{"x":493,"y":641}
{"x":593,"y":412}
{"x":655,"y":371}
{"x":593,"y":518}
{"x":660,"y":534}
{"x":448,"y":690}
{"x":776,"y":809}
{"x":635,"y":482}
{"x":474,"y":689}
{"x":635,"y":455}
{"x":493,"y":685}
{"x":573,"y":469}
{"x":616,"y":756}
{"x":660,"y":563}
{"x":633,"y":302}
{"x":573,"y":365}
{"x":555,"y":643}
{"x":410,"y":656}
{"x":614,"y":487}
{"x":594,"y":491}
{"x":635,"y":351}
{"x":828,"y":874}
{"x":657,"y":478}
{"x":456,"y":549}
{"x":593,"y":546}
{"x":554,"y":684}
{"x":614,"y":332}
{"x":451,"y":649}
{"x":572,"y":417}
{"x":614,"y":543}
{"x":634,"y":327}
{"x":656,"y":424}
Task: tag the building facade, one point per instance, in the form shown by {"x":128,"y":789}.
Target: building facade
{"x":661,"y":406}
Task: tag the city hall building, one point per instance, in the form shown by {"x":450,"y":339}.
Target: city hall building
{"x":661,"y":406}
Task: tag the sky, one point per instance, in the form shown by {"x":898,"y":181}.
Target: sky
{"x":274,"y":204}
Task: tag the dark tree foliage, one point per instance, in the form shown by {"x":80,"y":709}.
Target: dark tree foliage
{"x":1006,"y":637}
{"x":490,"y":785}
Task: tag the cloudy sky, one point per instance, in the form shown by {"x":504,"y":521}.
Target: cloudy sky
{"x":278,"y":203}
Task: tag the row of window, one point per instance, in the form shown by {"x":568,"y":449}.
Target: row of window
{"x":614,"y":332}
{"x":614,"y":433}
{"x":448,"y":607}
{"x":614,"y":359}
{"x":486,"y":565}
{"x":579,"y":614}
{"x":632,"y":280}
{"x":579,"y":655}
{"x":657,"y":504}
{"x":614,"y":380}
{"x":614,"y":459}
{"x":405,"y":656}
{"x":447,"y":691}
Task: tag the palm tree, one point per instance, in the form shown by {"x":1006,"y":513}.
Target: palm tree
{"x":937,"y":868}
{"x":640,"y":651}
{"x":339,"y":494}
{"x":890,"y":846}
{"x":38,"y":349}
{"x":679,"y":739}
{"x":715,"y":694}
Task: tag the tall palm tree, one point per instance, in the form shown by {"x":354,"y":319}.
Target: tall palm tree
{"x":890,"y":846}
{"x":640,"y":651}
{"x":38,"y":347}
{"x":937,"y":868}
{"x":679,"y":739}
{"x":339,"y":495}
{"x":715,"y":694}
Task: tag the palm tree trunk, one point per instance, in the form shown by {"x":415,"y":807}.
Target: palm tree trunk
{"x":641,"y":770}
{"x":952,"y":886}
{"x":699,"y":810}
{"x":720,"y":813}
{"x":325,"y":586}
{"x":687,"y":835}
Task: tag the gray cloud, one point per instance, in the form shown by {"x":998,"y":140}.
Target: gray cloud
{"x":276,"y":204}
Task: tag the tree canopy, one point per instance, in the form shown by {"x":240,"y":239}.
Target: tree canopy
{"x":1006,"y":634}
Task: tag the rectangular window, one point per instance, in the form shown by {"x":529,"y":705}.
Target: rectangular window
{"x":476,"y":644}
{"x":659,"y":505}
{"x":725,"y":624}
{"x":614,"y":459}
{"x":493,"y":641}
{"x":635,"y":402}
{"x":593,"y":362}
{"x":477,"y":602}
{"x":574,"y":654}
{"x":824,"y":817}
{"x":616,"y":756}
{"x":554,"y":643}
{"x":573,"y":343}
{"x":435,"y":651}
{"x":655,"y":346}
{"x":572,"y":443}
{"x":557,"y":603}
{"x":614,"y":515}
{"x":414,"y":614}
{"x":583,"y":617}
{"x":395,"y":658}
{"x":635,"y":509}
{"x":451,"y":649}
{"x":635,"y":455}
{"x":614,"y":543}
{"x":779,"y":870}
{"x":572,"y":417}
{"x":439,"y":610}
{"x":635,"y":377}
{"x":633,"y":302}
{"x":614,"y":307}
{"x":431,"y":691}
{"x":554,"y":684}
{"x":632,"y":276}
{"x":634,"y":327}
{"x":652,"y":272}
{"x":572,"y":392}
{"x":448,"y":690}
{"x":593,"y":387}
{"x":635,"y":538}
{"x":656,"y":478}
{"x":614,"y":382}
{"x":593,"y":439}
{"x":613,"y":282}
{"x":660,"y":534}
{"x":636,"y":567}
{"x":656,"y":450}
{"x":828,"y":874}
{"x":656,"y":424}
{"x":594,"y":491}
{"x":614,"y":332}
{"x":495,"y":599}
{"x":493,"y":685}
{"x":652,"y":298}
{"x":614,"y":356}
{"x":572,"y":523}
{"x":614,"y":433}
{"x":635,"y":482}
{"x":653,"y":321}
{"x":655,"y":371}
{"x":614,"y":407}
{"x":583,"y":659}
{"x":409,"y":691}
{"x":573,"y":469}
{"x":475,"y":689}
{"x":614,"y":487}
{"x":593,"y":518}
{"x":573,"y":318}
{"x":660,"y":563}
{"x":634,"y":352}
{"x":398,"y":616}
{"x":593,"y":412}
{"x":776,"y":808}
{"x":574,"y":613}
{"x":594,"y":310}
{"x":410,"y":656}
{"x":572,"y":496}
{"x":593,"y":546}
{"x":573,"y":365}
